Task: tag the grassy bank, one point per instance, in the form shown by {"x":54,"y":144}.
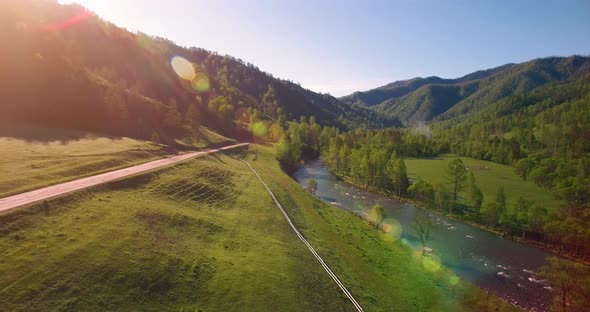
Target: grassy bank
{"x":489,"y":177}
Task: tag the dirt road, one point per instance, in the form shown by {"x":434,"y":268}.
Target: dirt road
{"x":45,"y":193}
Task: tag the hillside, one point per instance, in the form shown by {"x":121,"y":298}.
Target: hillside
{"x":434,"y":99}
{"x":205,"y":235}
{"x":113,"y":81}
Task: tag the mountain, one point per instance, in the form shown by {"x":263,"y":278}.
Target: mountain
{"x":433,"y":98}
{"x":64,"y":66}
{"x":398,"y":89}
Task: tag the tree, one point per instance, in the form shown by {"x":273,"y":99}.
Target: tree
{"x":172,"y":119}
{"x":269,"y":101}
{"x":192,"y":116}
{"x":474,"y":194}
{"x":490,"y":213}
{"x":477,"y":199}
{"x":288,"y":153}
{"x":441,"y":197}
{"x":501,"y":205}
{"x":422,"y":227}
{"x":275,"y":132}
{"x":471,"y":187}
{"x":377,"y":214}
{"x":421,"y":190}
{"x":312,"y":184}
{"x":397,"y":172}
{"x":520,"y":213}
{"x":456,"y":175}
{"x":400,"y":176}
{"x":571,"y":282}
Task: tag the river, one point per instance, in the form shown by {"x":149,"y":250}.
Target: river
{"x":501,"y":266}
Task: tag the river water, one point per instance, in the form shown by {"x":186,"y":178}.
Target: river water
{"x":503,"y":267}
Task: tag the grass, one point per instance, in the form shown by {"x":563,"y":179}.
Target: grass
{"x":38,"y":157}
{"x":489,"y":177}
{"x":27,"y":165}
{"x":204,"y":137}
{"x":206,"y":236}
{"x":203,"y":235}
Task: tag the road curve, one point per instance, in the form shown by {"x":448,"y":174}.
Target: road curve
{"x":347,"y":293}
{"x":45,"y":193}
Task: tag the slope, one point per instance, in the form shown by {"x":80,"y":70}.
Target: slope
{"x":66,"y":67}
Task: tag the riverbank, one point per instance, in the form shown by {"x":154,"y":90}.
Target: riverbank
{"x":426,"y":206}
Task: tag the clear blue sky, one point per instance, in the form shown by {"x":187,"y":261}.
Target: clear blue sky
{"x":344,"y":46}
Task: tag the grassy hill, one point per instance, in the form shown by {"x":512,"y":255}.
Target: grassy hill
{"x":205,"y":235}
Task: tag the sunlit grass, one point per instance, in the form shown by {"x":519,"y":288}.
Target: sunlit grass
{"x":27,"y":165}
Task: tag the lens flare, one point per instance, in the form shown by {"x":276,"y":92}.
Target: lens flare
{"x":259,"y":129}
{"x":431,"y":263}
{"x":74,"y":20}
{"x":201,"y":82}
{"x":183,"y":68}
{"x":392,"y":228}
{"x":454,"y":280}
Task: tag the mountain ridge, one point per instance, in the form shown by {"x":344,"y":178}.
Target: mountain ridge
{"x":432,"y":99}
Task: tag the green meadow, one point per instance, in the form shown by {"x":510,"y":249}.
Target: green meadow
{"x":205,"y":236}
{"x":489,"y":177}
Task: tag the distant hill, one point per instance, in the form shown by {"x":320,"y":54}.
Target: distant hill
{"x":63,"y":66}
{"x":433,"y":98}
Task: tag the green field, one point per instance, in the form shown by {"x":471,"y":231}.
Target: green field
{"x":206,"y":236}
{"x":489,"y":177}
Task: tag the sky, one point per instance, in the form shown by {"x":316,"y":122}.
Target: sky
{"x":339,"y":47}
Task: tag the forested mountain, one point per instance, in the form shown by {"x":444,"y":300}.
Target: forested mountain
{"x":400,"y":88}
{"x":433,"y":99}
{"x":63,"y":66}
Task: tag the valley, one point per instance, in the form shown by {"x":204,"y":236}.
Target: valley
{"x":202,"y":156}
